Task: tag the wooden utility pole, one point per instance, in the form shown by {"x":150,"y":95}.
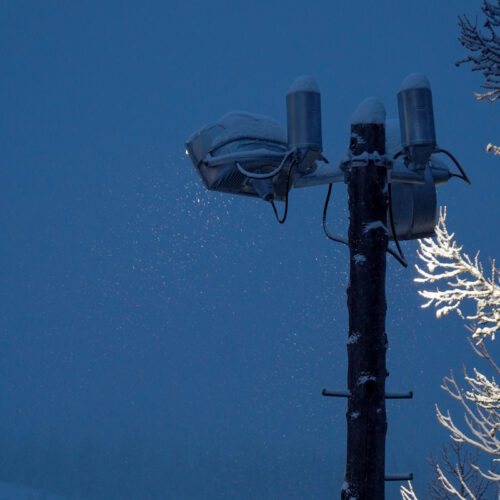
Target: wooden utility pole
{"x":367,"y":341}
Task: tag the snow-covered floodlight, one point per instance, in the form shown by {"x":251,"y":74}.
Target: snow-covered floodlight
{"x":253,"y":142}
{"x":416,"y":117}
{"x":248,"y":154}
{"x":414,"y":204}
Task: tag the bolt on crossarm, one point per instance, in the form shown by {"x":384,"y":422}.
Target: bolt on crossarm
{"x":367,"y":341}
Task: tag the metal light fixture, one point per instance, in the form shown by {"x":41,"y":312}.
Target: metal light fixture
{"x":254,"y":142}
{"x":249,"y":154}
{"x":418,"y":135}
{"x":416,"y":168}
{"x":416,"y":118}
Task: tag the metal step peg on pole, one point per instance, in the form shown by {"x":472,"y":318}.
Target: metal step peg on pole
{"x":388,"y":395}
{"x":399,"y":477}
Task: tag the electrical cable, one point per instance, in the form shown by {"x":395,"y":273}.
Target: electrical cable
{"x":268,"y":175}
{"x":401,"y":257}
{"x":339,"y":239}
{"x":455,"y":161}
{"x":464,"y":176}
{"x":283,"y":219}
{"x":329,"y":235}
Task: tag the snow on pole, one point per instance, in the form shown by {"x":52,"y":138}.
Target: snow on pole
{"x":369,"y":111}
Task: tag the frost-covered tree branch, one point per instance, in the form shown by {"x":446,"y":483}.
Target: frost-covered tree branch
{"x":482,"y":418}
{"x":481,"y":405}
{"x":491,"y":148}
{"x":465,"y":280}
{"x":450,"y":488}
{"x":407,"y":493}
{"x":484,"y":48}
{"x":484,"y":53}
{"x":483,"y":353}
{"x":457,"y":471}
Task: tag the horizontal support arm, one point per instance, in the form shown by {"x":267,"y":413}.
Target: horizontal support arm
{"x":324,"y":174}
{"x":337,"y":394}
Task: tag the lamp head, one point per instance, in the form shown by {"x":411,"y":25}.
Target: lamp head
{"x":248,"y":154}
{"x":255,"y":141}
{"x":303,"y":109}
{"x":416,"y":117}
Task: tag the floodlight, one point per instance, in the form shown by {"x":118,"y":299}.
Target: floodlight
{"x":303,"y":109}
{"x":414,"y":205}
{"x":416,"y":170}
{"x":240,"y":139}
{"x":248,"y":154}
{"x":414,"y":209}
{"x":418,"y":134}
{"x":416,"y":118}
{"x":413,"y":202}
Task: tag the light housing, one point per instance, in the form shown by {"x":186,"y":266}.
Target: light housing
{"x":249,"y":154}
{"x":255,"y":141}
{"x":416,"y":118}
{"x":303,"y":111}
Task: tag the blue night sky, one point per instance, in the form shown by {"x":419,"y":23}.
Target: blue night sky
{"x":136,"y":305}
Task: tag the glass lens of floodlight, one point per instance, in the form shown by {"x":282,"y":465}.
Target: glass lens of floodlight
{"x":414,"y":208}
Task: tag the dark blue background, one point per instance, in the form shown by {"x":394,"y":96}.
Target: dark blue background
{"x":134,"y":303}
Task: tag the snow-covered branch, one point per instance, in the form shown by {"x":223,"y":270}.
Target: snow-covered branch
{"x":450,"y":488}
{"x":465,"y":281}
{"x":457,"y":473}
{"x":484,"y":48}
{"x":484,"y":53}
{"x":407,"y":493}
{"x":491,"y":148}
{"x":464,"y":278}
{"x":480,"y":404}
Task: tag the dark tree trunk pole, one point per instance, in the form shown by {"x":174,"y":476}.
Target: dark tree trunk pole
{"x":367,"y":342}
